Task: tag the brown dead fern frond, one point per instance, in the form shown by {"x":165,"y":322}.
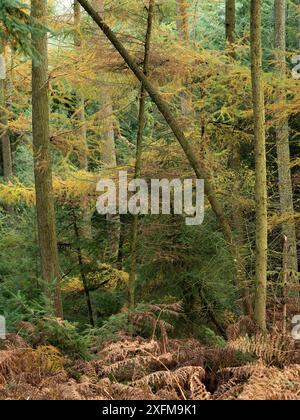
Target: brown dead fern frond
{"x":240,"y":373}
{"x":270,"y":383}
{"x":122,"y":350}
{"x":180,"y":377}
{"x":273,"y":349}
{"x":229,"y":391}
{"x":136,"y":367}
{"x":244,"y":326}
{"x":198,"y":389}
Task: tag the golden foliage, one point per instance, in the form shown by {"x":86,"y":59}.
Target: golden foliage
{"x":106,"y":277}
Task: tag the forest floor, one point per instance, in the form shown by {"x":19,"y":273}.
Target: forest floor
{"x":258,"y":368}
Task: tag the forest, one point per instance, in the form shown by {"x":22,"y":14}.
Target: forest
{"x":104,"y":295}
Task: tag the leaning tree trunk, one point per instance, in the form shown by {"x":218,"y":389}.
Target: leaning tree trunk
{"x":138,"y":161}
{"x":5,"y":140}
{"x":108,"y":150}
{"x":42,"y":160}
{"x":283,"y":159}
{"x":260,"y":166}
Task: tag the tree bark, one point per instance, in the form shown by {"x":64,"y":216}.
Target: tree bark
{"x":138,"y":161}
{"x":283,"y":158}
{"x":261,"y":166}
{"x":230,"y":21}
{"x":42,"y":160}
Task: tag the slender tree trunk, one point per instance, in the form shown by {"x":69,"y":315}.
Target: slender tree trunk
{"x":42,"y":160}
{"x":183,"y":21}
{"x":283,"y":158}
{"x":163,"y":107}
{"x":261,"y":166}
{"x":83,"y":157}
{"x":138,"y":161}
{"x":5,"y":140}
{"x":85,"y":229}
{"x":82,"y":272}
{"x":230,"y":21}
{"x":108,"y":151}
{"x":184,"y":36}
{"x":235,"y":163}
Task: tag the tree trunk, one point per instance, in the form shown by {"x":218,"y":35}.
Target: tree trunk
{"x":83,"y":155}
{"x":85,"y":229}
{"x":138,"y":162}
{"x":183,"y":21}
{"x":235,"y":163}
{"x":42,"y":160}
{"x":283,"y":157}
{"x":108,"y":151}
{"x":230,"y":21}
{"x":5,"y":140}
{"x":82,"y":272}
{"x":261,"y":166}
{"x":184,"y":36}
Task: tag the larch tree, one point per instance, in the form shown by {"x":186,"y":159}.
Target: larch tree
{"x":42,"y":160}
{"x":283,"y":152}
{"x":260,"y":165}
{"x":107,"y":145}
{"x":183,"y":21}
{"x":83,"y":154}
{"x":235,"y":164}
{"x":184,"y":37}
{"x":84,"y":230}
{"x":4,"y":135}
{"x":138,"y":159}
{"x":230,"y":21}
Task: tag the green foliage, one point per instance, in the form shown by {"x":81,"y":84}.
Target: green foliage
{"x":17,"y":26}
{"x":64,"y":336}
{"x":208,"y":337}
{"x":111,"y":329}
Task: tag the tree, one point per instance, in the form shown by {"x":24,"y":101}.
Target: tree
{"x":184,"y":36}
{"x":83,"y":156}
{"x":85,"y":229}
{"x":283,"y":151}
{"x":260,"y":166}
{"x":230,"y":21}
{"x":235,"y":164}
{"x":4,"y":135}
{"x":183,"y":21}
{"x":138,"y":160}
{"x":107,"y":145}
{"x":42,"y":159}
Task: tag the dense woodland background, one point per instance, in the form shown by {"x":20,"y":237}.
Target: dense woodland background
{"x":144,"y":306}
